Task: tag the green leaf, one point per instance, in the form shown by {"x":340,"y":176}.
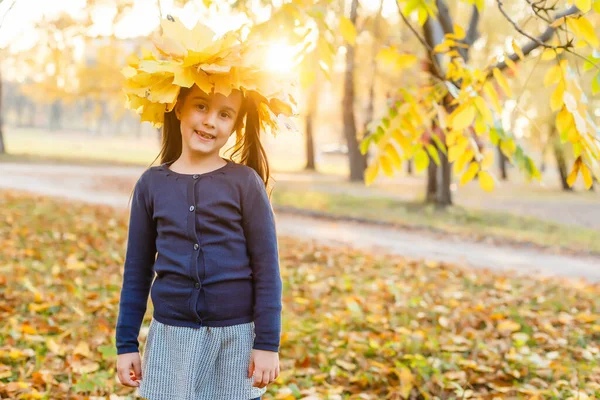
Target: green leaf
{"x":108,"y":351}
{"x":596,"y":83}
{"x":494,"y":138}
{"x":364,"y":145}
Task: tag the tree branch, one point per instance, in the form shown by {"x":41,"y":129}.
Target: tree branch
{"x":7,"y":11}
{"x":423,"y":42}
{"x":472,"y":33}
{"x":436,"y":68}
{"x":536,"y":42}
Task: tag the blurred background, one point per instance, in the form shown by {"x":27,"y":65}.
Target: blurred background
{"x":437,"y":201}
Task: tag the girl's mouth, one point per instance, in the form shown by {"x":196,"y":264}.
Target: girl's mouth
{"x":205,"y":136}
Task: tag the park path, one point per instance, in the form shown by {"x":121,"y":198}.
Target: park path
{"x":88,"y":184}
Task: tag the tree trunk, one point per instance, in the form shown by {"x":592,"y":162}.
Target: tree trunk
{"x":2,"y":147}
{"x":356,"y":158}
{"x":438,"y":179}
{"x":502,"y":161}
{"x":561,"y":164}
{"x":310,"y":145}
{"x":444,"y":195}
{"x":409,"y":167}
{"x":310,"y":119}
{"x":55,"y":116}
{"x":431,"y":194}
{"x":371,"y":106}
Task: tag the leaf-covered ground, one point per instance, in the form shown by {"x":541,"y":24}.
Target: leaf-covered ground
{"x":355,"y":325}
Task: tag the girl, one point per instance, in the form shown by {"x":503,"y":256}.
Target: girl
{"x":205,"y":226}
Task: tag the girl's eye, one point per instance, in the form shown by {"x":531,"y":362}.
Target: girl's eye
{"x":201,"y":106}
{"x":225,"y":115}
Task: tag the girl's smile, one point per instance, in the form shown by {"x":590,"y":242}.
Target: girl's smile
{"x":205,"y":136}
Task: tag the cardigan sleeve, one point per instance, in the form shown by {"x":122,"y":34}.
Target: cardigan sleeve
{"x":138,"y":270}
{"x":261,"y":242}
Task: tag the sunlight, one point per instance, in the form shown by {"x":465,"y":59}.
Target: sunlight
{"x":280,"y":57}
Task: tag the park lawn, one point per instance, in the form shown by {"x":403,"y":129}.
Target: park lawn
{"x":354,"y":325}
{"x":285,"y":152}
{"x":468,"y":222}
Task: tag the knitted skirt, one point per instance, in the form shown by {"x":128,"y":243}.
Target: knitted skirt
{"x":206,"y":363}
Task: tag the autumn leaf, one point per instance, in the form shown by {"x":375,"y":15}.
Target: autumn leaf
{"x":371,"y":173}
{"x":502,"y":82}
{"x":469,"y":174}
{"x":486,"y":181}
{"x":347,"y":30}
{"x":574,"y":172}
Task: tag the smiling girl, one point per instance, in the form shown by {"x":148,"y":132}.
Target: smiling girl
{"x":202,"y":240}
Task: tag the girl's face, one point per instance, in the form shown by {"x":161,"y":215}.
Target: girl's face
{"x":207,"y":120}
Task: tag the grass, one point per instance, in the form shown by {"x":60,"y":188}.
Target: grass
{"x":396,"y":202}
{"x":472,"y":223}
{"x":285,"y":152}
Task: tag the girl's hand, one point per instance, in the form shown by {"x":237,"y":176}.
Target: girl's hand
{"x":264,"y":365}
{"x":125,"y":363}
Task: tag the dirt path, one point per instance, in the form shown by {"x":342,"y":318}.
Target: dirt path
{"x":82,"y":183}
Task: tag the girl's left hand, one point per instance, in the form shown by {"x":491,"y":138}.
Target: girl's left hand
{"x":264,"y":365}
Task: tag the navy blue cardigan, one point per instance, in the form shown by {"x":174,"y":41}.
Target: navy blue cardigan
{"x":210,"y":238}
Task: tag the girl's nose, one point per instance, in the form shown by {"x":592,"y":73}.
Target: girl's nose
{"x":209,"y":121}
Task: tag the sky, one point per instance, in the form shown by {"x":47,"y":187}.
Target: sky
{"x":17,"y":26}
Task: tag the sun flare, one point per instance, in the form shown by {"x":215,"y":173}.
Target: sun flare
{"x":280,"y":57}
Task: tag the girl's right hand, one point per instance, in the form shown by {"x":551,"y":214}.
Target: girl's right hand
{"x":129,"y":369}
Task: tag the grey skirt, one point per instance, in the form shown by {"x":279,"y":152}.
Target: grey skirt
{"x":206,"y":363}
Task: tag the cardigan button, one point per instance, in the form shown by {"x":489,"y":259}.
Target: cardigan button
{"x":196,"y":246}
{"x":197,"y":285}
{"x":192,"y":208}
{"x":195,"y":176}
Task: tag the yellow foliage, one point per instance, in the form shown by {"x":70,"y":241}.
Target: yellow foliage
{"x":587,"y":176}
{"x":392,"y":153}
{"x":421,"y":160}
{"x":502,"y":82}
{"x":198,"y":56}
{"x":347,"y":30}
{"x":556,"y":100}
{"x":584,"y":5}
{"x":463,"y":116}
{"x":386,"y":165}
{"x":469,"y":173}
{"x":553,"y":75}
{"x":371,"y":173}
{"x":574,"y":172}
{"x":583,"y":29}
{"x":517,"y":50}
{"x":486,"y":181}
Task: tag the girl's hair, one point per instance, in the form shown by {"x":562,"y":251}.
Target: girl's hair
{"x":248,"y":147}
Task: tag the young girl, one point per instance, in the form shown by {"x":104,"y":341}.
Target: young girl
{"x":203,"y":224}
